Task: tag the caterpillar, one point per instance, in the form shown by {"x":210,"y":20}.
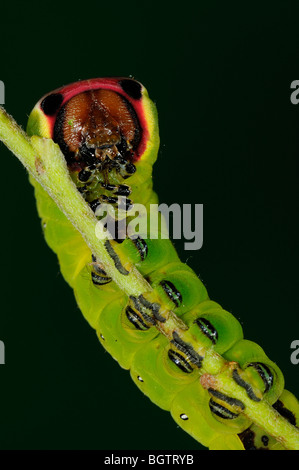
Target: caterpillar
{"x":175,"y":341}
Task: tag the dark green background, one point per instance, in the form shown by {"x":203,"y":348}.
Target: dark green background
{"x":220,"y":74}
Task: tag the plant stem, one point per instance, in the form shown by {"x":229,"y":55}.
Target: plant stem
{"x":45,"y":162}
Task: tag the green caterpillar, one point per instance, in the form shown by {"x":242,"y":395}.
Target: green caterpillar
{"x":181,"y":348}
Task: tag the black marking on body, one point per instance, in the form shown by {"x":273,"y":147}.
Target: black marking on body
{"x":285,"y":412}
{"x":122,"y":146}
{"x":141,"y":247}
{"x":123,"y":190}
{"x":229,"y":400}
{"x":108,"y":199}
{"x":187,"y":349}
{"x":132,"y":88}
{"x":98,"y":275}
{"x":124,"y":167}
{"x":58,"y":133}
{"x":99,"y":270}
{"x":94,"y":204}
{"x":100,"y":280}
{"x":118,"y":190}
{"x":120,"y":230}
{"x":122,"y":202}
{"x":136,"y":319}
{"x":265,"y":374}
{"x":84,"y":176}
{"x":88,"y":154}
{"x":245,"y":385}
{"x":154,"y":307}
{"x":265,"y":440}
{"x":221,"y":411}
{"x":207,"y":329}
{"x":184,"y":417}
{"x":125,"y":203}
{"x":130,"y":169}
{"x":140,"y":309}
{"x":109,"y":187}
{"x":249,"y":440}
{"x":83,"y":190}
{"x":171,"y":291}
{"x":247,"y":437}
{"x":180,"y":361}
{"x":115,"y":258}
{"x":51,"y":103}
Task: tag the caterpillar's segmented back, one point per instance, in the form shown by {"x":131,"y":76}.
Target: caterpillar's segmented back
{"x":173,"y":337}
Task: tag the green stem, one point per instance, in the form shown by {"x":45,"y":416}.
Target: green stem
{"x":45,"y":162}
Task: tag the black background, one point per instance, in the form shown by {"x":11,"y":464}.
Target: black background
{"x":220,"y":74}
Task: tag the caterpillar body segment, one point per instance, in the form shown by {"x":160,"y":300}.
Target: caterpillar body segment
{"x":173,"y":338}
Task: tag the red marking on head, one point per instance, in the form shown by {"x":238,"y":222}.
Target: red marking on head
{"x":114,"y":84}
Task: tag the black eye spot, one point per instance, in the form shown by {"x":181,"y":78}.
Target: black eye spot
{"x":51,"y":103}
{"x":132,"y":88}
{"x":184,"y":417}
{"x":207,"y":329}
{"x":172,"y":292}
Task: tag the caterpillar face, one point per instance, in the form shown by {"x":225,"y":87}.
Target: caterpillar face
{"x":99,"y":124}
{"x":96,"y":125}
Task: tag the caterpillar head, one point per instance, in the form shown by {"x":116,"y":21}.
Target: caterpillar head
{"x":98,"y":120}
